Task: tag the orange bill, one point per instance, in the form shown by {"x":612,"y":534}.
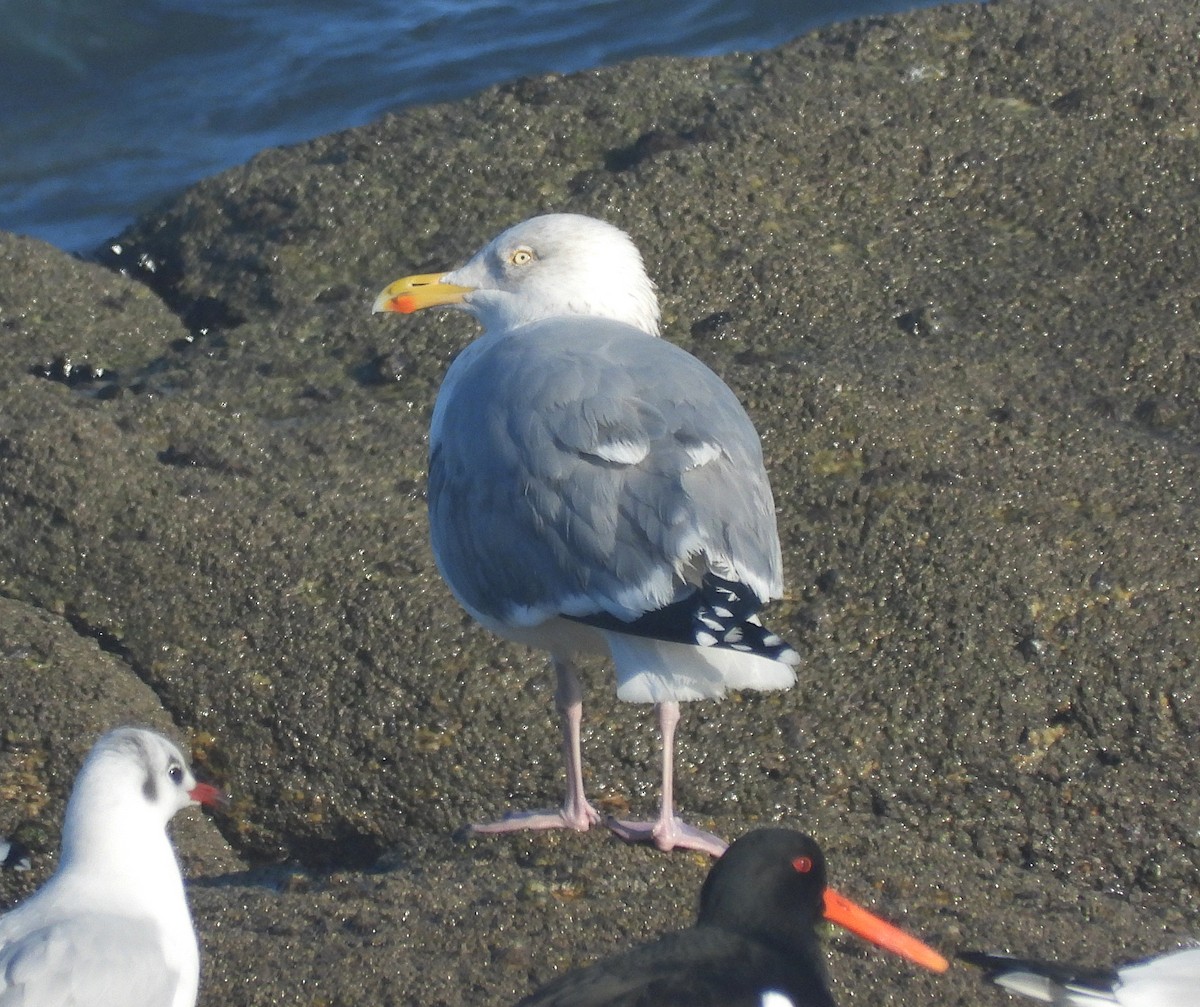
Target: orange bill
{"x":868,"y":926}
{"x":412,"y":293}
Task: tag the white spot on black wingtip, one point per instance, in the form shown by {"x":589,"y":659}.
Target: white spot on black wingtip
{"x":727,"y":611}
{"x":14,"y":856}
{"x":719,"y":613}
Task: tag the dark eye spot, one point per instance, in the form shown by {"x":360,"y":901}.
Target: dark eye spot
{"x":802,"y":865}
{"x":176,"y":774}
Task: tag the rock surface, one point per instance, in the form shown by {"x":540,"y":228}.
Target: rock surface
{"x":949,"y":262}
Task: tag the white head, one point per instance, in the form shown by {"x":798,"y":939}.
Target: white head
{"x":545,"y":267}
{"x":130,"y":776}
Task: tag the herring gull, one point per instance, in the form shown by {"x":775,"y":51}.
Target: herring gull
{"x":593,"y":488}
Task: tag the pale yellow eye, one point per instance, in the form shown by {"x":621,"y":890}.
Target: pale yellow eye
{"x":521,"y":257}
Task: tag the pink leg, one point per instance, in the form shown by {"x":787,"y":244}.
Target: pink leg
{"x":576,"y":813}
{"x":669,"y":831}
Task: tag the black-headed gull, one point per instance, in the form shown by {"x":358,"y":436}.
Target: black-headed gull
{"x":754,"y":942}
{"x":111,"y":928}
{"x":1168,"y":980}
{"x":596,"y":489}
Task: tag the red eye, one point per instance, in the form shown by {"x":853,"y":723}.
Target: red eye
{"x":802,"y":865}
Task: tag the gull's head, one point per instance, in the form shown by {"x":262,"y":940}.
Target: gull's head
{"x":545,"y":267}
{"x":131,"y":774}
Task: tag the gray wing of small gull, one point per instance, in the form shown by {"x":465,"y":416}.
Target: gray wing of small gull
{"x":581,"y":466}
{"x":92,"y":959}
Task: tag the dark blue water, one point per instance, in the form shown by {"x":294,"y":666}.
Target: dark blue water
{"x":108,"y":106}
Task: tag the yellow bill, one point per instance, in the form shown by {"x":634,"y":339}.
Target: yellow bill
{"x":412,"y":293}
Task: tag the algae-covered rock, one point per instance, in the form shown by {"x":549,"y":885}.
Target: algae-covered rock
{"x":948,"y":260}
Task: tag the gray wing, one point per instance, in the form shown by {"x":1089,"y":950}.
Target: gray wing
{"x":91,"y":960}
{"x":580,"y":466}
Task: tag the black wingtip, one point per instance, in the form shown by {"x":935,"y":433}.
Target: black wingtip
{"x":997,"y":965}
{"x":719,"y":613}
{"x":14,"y":855}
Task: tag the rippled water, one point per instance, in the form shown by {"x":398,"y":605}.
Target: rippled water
{"x":107,"y":107}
